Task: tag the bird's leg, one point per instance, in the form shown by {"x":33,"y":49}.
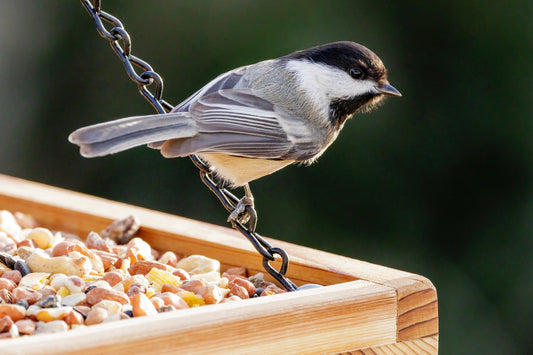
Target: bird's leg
{"x":245,"y":210}
{"x":250,"y":209}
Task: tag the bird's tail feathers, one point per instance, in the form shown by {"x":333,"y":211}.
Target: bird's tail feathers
{"x":116,"y":136}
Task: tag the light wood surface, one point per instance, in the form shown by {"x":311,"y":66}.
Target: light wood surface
{"x":422,"y":346}
{"x":367,"y":306}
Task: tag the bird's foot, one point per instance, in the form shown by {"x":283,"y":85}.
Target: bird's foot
{"x":244,"y":213}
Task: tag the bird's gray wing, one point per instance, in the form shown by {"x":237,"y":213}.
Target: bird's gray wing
{"x":234,"y":79}
{"x":231,"y":80}
{"x":238,"y":122}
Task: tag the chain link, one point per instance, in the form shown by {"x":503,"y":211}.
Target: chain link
{"x":116,"y":36}
{"x":120,"y":42}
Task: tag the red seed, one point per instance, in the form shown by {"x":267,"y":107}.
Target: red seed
{"x":13,"y":275}
{"x":27,"y":294}
{"x":6,"y":284}
{"x":113,"y":278}
{"x":25,"y":326}
{"x":5,"y":323}
{"x":250,"y":288}
{"x":13,"y":311}
{"x":141,"y":306}
{"x":98,"y":294}
{"x":73,"y":318}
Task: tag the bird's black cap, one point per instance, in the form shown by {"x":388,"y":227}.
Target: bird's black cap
{"x":345,"y":55}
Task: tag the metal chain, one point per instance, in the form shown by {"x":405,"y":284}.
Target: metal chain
{"x":120,"y":42}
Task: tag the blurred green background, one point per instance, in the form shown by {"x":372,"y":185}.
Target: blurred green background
{"x":436,"y":183}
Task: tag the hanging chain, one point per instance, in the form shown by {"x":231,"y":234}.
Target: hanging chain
{"x":120,"y":42}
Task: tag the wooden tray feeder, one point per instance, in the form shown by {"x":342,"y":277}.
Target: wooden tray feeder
{"x":364,"y":309}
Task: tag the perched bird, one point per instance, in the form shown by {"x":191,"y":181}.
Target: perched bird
{"x":257,"y":119}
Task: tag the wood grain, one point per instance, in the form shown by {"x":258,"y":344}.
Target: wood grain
{"x":312,"y":322}
{"x":422,"y":346}
{"x":410,"y":298}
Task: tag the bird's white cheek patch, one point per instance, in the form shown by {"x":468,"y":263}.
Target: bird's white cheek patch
{"x":323,"y":83}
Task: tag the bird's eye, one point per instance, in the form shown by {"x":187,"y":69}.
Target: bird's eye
{"x":356,"y":73}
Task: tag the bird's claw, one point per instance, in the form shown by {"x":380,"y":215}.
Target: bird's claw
{"x":244,"y":212}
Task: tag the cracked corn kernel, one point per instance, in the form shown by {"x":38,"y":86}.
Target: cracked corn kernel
{"x":35,"y":280}
{"x":191,"y":299}
{"x":51,"y":314}
{"x":158,"y":278}
{"x":63,"y":292}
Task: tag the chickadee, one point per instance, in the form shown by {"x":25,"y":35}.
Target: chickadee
{"x":257,"y":119}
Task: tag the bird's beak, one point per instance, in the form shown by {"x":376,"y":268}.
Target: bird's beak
{"x":387,"y":89}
